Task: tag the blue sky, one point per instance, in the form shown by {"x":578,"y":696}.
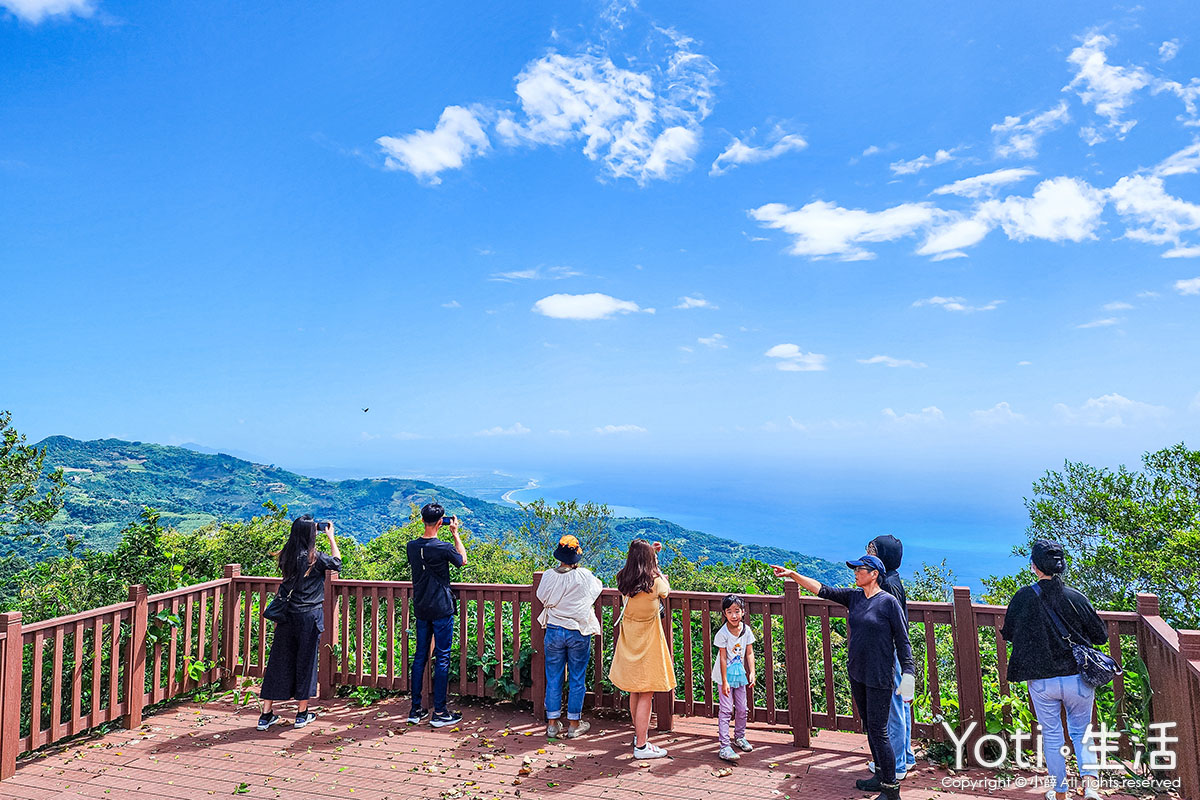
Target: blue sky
{"x":935,"y":239}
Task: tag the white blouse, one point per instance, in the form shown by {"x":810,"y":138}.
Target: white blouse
{"x":568,"y":596}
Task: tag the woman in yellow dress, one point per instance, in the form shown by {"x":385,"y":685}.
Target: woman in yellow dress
{"x":642,"y":662}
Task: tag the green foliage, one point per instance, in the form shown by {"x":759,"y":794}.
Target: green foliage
{"x":29,"y":496}
{"x":1124,"y":532}
{"x":590,"y":523}
{"x":932,"y":583}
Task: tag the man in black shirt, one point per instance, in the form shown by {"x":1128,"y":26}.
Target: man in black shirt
{"x":433,"y":605}
{"x":890,"y":550}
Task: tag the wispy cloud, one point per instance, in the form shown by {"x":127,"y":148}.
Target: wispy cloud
{"x":915,"y":165}
{"x":999,"y":414}
{"x":1110,"y":411}
{"x":738,"y":152}
{"x":452,"y":304}
{"x":516,"y":429}
{"x":1018,"y":137}
{"x":986,"y":184}
{"x":694,"y":302}
{"x":585,"y":306}
{"x":716,"y":341}
{"x":1100,"y":323}
{"x":822,"y":229}
{"x":1153,"y":215}
{"x":955,"y":304}
{"x":793,"y":359}
{"x":1168,"y":49}
{"x":1188,"y":286}
{"x":608,"y":430}
{"x":888,"y":361}
{"x":1109,"y":89}
{"x":930,"y":415}
{"x":536,"y":274}
{"x":1118,"y":305}
{"x":35,"y":11}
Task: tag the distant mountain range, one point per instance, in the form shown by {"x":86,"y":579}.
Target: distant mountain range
{"x":109,"y":481}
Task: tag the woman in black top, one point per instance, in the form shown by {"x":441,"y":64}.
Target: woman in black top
{"x":292,"y":667}
{"x":878,"y":634}
{"x":1045,"y":661}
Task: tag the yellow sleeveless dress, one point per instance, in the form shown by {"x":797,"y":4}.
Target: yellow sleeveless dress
{"x":642,"y":659}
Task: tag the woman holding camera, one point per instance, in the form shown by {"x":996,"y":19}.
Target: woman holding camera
{"x":292,"y":667}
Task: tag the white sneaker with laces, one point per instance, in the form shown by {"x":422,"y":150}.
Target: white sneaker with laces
{"x":743,"y":745}
{"x":728,"y":753}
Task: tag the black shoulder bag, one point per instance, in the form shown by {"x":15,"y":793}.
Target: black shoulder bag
{"x":277,"y":609}
{"x":1096,"y":668}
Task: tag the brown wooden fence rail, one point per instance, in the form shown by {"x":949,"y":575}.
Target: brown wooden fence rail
{"x":62,"y":676}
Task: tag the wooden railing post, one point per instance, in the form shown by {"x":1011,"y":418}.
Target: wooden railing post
{"x":664,"y":702}
{"x":135,"y":663}
{"x":968,"y":669}
{"x":11,"y":652}
{"x":325,"y":661}
{"x":795,"y":644}
{"x":229,"y":627}
{"x":538,"y":664}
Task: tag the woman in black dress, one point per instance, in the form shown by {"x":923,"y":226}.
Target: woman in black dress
{"x":292,"y":667}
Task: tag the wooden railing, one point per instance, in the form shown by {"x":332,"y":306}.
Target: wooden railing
{"x":63,"y":676}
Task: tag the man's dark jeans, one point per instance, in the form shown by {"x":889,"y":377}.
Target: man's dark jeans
{"x":441,"y":632}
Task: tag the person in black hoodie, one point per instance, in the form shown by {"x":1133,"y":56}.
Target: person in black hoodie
{"x":890,"y":551}
{"x":1044,"y":660}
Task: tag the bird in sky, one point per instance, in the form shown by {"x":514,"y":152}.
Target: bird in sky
{"x":365,"y":410}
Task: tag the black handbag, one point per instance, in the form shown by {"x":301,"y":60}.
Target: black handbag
{"x":277,"y":609}
{"x":1096,"y":668}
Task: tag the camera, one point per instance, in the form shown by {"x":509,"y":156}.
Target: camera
{"x":449,"y":518}
{"x":323,"y":525}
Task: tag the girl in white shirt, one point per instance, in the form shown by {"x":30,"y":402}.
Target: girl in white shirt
{"x":568,"y":594}
{"x":734,"y":673}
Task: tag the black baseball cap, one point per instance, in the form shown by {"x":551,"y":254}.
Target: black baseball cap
{"x":870,"y":562}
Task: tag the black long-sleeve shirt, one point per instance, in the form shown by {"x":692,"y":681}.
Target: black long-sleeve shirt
{"x":307,"y":586}
{"x":878,"y":631}
{"x":1038,"y":651}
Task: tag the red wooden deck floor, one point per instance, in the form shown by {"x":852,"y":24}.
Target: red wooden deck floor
{"x":194,"y":751}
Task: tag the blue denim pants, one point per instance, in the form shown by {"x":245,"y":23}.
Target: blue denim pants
{"x":1049,"y":696}
{"x":570,"y":649}
{"x":900,"y":727}
{"x":441,"y":632}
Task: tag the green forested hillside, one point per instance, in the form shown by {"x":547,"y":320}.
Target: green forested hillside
{"x":109,"y":481}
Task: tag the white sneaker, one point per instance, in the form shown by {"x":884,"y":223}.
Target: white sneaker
{"x":743,"y":745}
{"x":729,"y":754}
{"x":1090,"y":793}
{"x":648,"y":751}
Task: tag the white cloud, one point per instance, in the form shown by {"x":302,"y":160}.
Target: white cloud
{"x":1100,"y":323}
{"x":793,"y":359}
{"x":800,"y":426}
{"x":987,"y":183}
{"x":459,"y":135}
{"x":1109,"y":89}
{"x":738,"y":152}
{"x":1168,"y":49}
{"x":716,"y":341}
{"x":1155,"y":216}
{"x":1024,"y":363}
{"x":1111,"y":411}
{"x":694,"y":302}
{"x":535,"y":274}
{"x":946,"y":240}
{"x":558,"y":432}
{"x":452,"y":304}
{"x":585,"y":306}
{"x":824,"y":229}
{"x":516,"y":429}
{"x":915,"y":165}
{"x":1188,"y":286}
{"x":611,"y":429}
{"x":955,"y":304}
{"x":1015,"y":138}
{"x":1118,"y":305}
{"x":1185,"y":162}
{"x":888,"y":361}
{"x":1060,"y":209}
{"x":1183,"y":252}
{"x":34,"y":11}
{"x":1147,"y":294}
{"x":1189,"y":94}
{"x":641,"y":125}
{"x":930,"y":415}
{"x":873,"y":150}
{"x":999,"y":414}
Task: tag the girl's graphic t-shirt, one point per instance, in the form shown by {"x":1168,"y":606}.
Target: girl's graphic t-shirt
{"x":736,"y":648}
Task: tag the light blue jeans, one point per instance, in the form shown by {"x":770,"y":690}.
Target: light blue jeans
{"x":900,"y":727}
{"x":1049,"y":696}
{"x":570,"y":649}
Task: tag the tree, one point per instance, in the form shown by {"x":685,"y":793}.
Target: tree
{"x":1124,"y":532}
{"x":23,"y":506}
{"x":545,"y":524}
